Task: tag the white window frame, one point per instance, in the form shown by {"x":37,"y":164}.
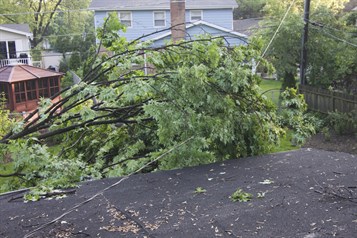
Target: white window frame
{"x":131,"y":18}
{"x":196,"y":15}
{"x":153,"y":16}
{"x":8,"y":56}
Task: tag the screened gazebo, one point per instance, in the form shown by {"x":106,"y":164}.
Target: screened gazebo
{"x":24,"y":85}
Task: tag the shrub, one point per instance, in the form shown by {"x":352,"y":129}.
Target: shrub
{"x":294,"y":116}
{"x":343,"y":123}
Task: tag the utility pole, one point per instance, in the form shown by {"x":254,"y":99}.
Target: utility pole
{"x":303,"y":62}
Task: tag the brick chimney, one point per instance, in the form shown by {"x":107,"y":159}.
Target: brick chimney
{"x":178,"y":30}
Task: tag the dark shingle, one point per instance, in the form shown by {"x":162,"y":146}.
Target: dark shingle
{"x":246,"y":26}
{"x":18,"y":27}
{"x":159,"y":4}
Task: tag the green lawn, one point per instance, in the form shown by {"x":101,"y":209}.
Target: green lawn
{"x":271,"y":89}
{"x":4,"y":169}
{"x":285,"y":144}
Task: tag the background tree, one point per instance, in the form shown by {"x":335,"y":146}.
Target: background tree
{"x":73,"y":32}
{"x":330,"y":59}
{"x":39,"y":14}
{"x":249,"y":9}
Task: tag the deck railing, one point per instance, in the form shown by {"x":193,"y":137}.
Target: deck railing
{"x":5,"y":62}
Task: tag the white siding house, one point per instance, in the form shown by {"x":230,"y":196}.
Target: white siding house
{"x":15,"y":44}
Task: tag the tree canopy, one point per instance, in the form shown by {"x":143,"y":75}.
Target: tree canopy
{"x":119,"y":118}
{"x":331,"y":51}
{"x":40,"y":14}
{"x":249,"y":9}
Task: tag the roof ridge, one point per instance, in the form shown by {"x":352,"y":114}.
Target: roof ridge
{"x":11,"y":73}
{"x":28,"y":71}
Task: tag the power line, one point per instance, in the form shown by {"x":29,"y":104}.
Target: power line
{"x":63,"y":35}
{"x":333,"y":36}
{"x":321,"y":25}
{"x":101,"y":192}
{"x":123,"y":8}
{"x":278,"y":29}
{"x":44,"y":12}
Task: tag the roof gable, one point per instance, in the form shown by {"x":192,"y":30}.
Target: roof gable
{"x":21,"y":29}
{"x":198,"y":23}
{"x":153,"y":5}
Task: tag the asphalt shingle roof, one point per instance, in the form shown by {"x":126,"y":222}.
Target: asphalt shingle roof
{"x":246,"y":26}
{"x":17,"y":27}
{"x":159,"y":4}
{"x":306,"y":193}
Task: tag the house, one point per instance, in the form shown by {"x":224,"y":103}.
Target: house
{"x":190,"y":17}
{"x":15,"y":44}
{"x":23,"y":86}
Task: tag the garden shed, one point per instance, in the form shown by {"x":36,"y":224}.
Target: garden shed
{"x":24,"y":85}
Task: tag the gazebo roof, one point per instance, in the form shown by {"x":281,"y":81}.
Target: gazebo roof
{"x":23,"y":72}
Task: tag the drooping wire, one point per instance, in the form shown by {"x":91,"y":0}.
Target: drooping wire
{"x":278,"y":29}
{"x":320,"y":28}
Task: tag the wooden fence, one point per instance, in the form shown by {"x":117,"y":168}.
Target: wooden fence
{"x":324,"y":101}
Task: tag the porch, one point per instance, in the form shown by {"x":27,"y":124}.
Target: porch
{"x":5,"y":62}
{"x":28,"y":61}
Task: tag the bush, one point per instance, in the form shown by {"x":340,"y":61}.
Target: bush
{"x":294,"y":116}
{"x":343,"y":123}
{"x":75,"y":61}
{"x":64,"y":65}
{"x":67,"y":80}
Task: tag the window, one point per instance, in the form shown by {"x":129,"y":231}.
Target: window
{"x":196,"y":15}
{"x":3,"y":50}
{"x":47,"y":87}
{"x":54,"y":86}
{"x":8,"y":50}
{"x":125,"y":18}
{"x":12,"y":49}
{"x":20,"y":93}
{"x":159,"y":19}
{"x":31,"y":90}
{"x":43,"y":88}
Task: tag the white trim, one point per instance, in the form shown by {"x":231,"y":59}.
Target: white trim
{"x":131,"y":18}
{"x":232,"y":21}
{"x":206,"y":24}
{"x":28,"y":34}
{"x":8,"y":50}
{"x":153,"y":18}
{"x":196,"y":11}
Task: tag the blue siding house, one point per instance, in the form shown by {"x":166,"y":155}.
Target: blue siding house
{"x":143,"y":17}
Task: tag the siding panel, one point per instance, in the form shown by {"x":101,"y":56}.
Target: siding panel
{"x":143,"y":21}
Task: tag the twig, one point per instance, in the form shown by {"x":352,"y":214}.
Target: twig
{"x":46,"y":195}
{"x":339,"y":193}
{"x":102,"y":191}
